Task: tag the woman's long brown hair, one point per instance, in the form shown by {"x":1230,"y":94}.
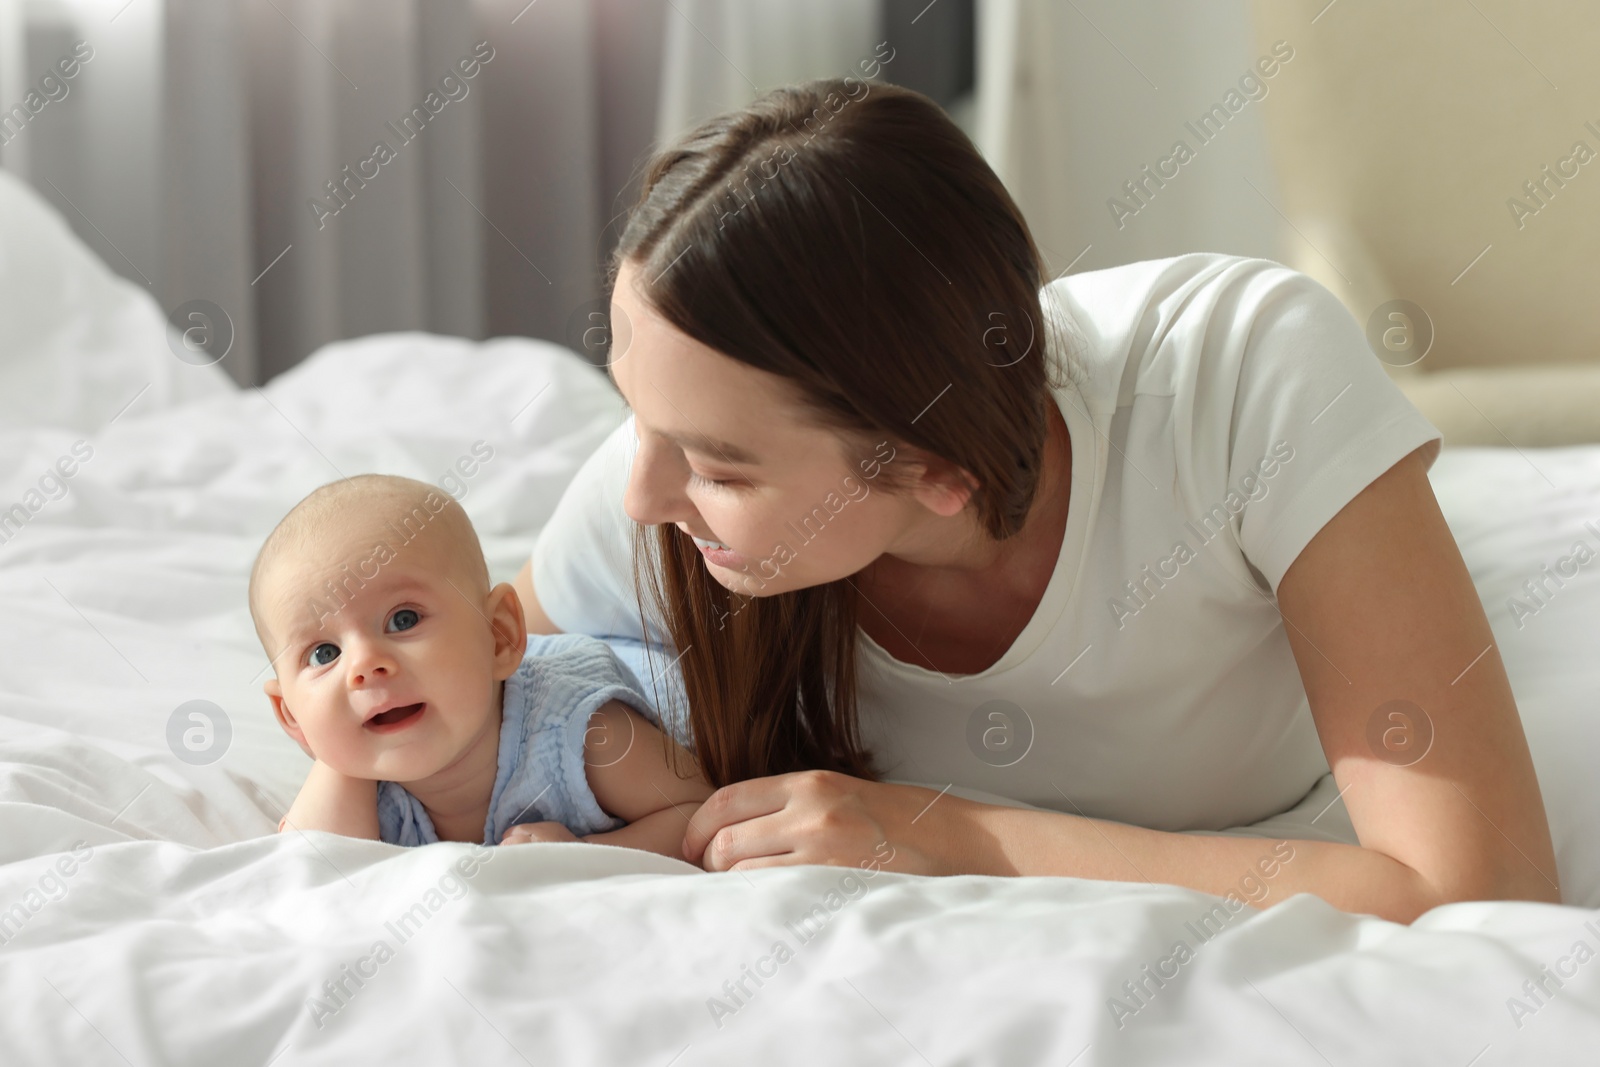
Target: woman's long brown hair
{"x":848,"y":237}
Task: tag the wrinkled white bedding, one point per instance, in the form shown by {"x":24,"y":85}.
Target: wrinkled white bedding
{"x":181,"y":930}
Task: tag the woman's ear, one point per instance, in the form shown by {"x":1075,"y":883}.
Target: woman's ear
{"x":285,"y":717}
{"x":509,"y":627}
{"x":940,"y":486}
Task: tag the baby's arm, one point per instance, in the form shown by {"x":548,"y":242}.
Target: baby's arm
{"x":334,"y":802}
{"x":632,"y":779}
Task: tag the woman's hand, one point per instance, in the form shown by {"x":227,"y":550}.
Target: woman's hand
{"x":828,"y":818}
{"x":530,"y":832}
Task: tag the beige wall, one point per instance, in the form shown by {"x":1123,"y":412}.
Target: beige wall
{"x":1399,"y":134}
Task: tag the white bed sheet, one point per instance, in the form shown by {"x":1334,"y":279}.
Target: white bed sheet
{"x":188,"y":933}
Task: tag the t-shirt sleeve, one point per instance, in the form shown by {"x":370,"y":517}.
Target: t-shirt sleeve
{"x":583,"y":558}
{"x":1315,"y":418}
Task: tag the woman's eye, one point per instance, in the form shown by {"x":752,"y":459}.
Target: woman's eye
{"x":324,"y":654}
{"x":695,"y":476}
{"x":404,"y":619}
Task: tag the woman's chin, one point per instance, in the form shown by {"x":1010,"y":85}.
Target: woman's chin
{"x":742,"y":582}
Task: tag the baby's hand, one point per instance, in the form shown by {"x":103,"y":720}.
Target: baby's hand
{"x":529,"y":832}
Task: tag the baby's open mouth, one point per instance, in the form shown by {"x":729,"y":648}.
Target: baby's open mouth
{"x":395,"y":716}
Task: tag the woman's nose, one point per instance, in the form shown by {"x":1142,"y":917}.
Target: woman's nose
{"x":654,"y":493}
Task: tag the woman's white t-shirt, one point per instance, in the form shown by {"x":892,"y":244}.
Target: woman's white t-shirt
{"x":1224,"y":410}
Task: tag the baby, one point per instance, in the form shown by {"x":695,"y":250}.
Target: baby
{"x":429,"y":711}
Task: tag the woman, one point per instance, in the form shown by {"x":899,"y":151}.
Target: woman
{"x":1149,"y":549}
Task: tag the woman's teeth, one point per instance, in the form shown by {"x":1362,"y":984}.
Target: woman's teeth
{"x":701,"y":542}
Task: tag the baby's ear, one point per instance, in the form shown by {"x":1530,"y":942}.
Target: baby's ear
{"x":285,"y":717}
{"x":509,"y":628}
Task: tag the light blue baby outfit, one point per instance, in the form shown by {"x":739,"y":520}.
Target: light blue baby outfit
{"x":541,"y":776}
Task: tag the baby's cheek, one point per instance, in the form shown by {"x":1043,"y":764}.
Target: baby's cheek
{"x":347,"y":749}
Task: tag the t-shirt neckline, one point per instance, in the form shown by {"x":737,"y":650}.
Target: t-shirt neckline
{"x":1063,"y":579}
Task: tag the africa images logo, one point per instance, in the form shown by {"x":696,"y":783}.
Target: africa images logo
{"x":1252,"y":85}
{"x":1253,"y":486}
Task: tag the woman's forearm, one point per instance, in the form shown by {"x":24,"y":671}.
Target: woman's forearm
{"x":988,"y":839}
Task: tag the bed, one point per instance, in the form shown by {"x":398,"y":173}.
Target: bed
{"x":150,"y":915}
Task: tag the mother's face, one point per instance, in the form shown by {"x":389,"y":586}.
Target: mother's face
{"x":725,"y":455}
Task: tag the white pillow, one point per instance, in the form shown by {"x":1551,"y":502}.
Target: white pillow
{"x":78,"y":342}
{"x":1518,"y":515}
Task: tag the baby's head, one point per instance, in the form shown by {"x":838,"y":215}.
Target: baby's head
{"x":388,"y":644}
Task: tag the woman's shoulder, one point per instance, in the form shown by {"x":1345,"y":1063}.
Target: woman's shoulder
{"x":1254,"y":394}
{"x":1152,"y":325}
{"x":1131,"y":284}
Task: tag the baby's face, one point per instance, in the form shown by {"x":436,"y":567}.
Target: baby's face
{"x":392,"y":678}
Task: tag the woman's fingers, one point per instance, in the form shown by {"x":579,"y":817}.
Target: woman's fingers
{"x":787,"y":859}
{"x":821,"y":817}
{"x":766,"y":837}
{"x":733,"y":804}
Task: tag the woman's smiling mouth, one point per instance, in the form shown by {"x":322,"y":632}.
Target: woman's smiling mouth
{"x":395,"y":718}
{"x":721,"y":555}
{"x":715,"y":552}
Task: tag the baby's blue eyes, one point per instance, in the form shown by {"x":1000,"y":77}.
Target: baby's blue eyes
{"x":327,"y":652}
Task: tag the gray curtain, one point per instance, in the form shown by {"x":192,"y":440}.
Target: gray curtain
{"x":192,"y":149}
{"x":227,"y":151}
